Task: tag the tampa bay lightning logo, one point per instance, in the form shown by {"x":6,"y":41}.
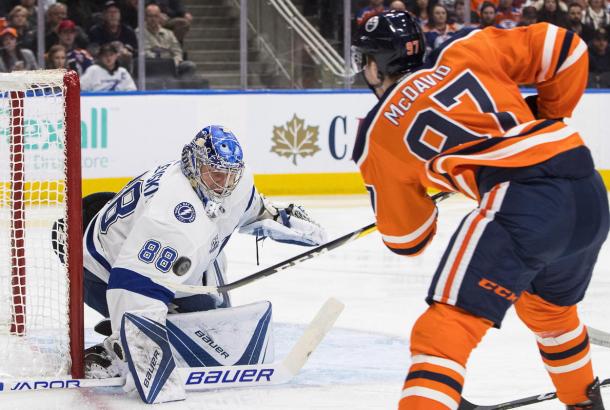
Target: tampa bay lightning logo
{"x":185,"y":212}
{"x":214,"y":244}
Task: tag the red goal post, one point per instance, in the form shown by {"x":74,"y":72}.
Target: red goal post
{"x":41,"y":293}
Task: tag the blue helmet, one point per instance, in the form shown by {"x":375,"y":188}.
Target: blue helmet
{"x":213,"y":162}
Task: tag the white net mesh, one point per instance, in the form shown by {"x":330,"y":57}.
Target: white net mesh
{"x":34,"y":335}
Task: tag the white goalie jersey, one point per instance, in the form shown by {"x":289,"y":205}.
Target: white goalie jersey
{"x":156,"y":231}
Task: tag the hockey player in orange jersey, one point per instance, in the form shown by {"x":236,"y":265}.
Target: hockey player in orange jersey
{"x":457,"y":122}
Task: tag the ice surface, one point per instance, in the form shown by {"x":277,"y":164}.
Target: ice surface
{"x":363,"y":361}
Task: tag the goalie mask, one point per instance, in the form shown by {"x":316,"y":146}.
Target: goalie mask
{"x":213,"y":162}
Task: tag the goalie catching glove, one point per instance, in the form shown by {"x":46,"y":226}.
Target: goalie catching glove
{"x":286,"y":224}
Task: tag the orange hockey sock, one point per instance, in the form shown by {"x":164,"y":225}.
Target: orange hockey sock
{"x":441,"y":342}
{"x":563,"y":343}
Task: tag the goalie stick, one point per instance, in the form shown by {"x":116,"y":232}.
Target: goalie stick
{"x":206,"y":378}
{"x":513,"y":404}
{"x":312,"y":253}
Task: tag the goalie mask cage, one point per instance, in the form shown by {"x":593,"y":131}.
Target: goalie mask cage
{"x":41,"y":303}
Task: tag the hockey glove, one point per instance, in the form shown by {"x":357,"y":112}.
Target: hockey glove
{"x":286,"y":224}
{"x":532,"y":103}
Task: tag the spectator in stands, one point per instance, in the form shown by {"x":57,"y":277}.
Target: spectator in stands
{"x":175,"y":17}
{"x":419,"y":8}
{"x":160,"y":42}
{"x":78,"y":59}
{"x":438,"y":30}
{"x":596,"y":15}
{"x":459,"y":16}
{"x":398,"y":5}
{"x":450,"y":7}
{"x":599,"y":55}
{"x":56,"y":13}
{"x":30,"y":6}
{"x":599,"y":61}
{"x":507,"y":16}
{"x":375,"y":7}
{"x":106,"y":74}
{"x":56,"y":57}
{"x":129,"y":13}
{"x":112,"y":30}
{"x":529,"y":15}
{"x":477,"y":5}
{"x":18,"y":19}
{"x":85,"y":13}
{"x":488,"y":15}
{"x":551,"y":13}
{"x":575,"y":12}
{"x":13,"y":57}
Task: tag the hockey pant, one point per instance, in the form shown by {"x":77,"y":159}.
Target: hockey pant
{"x":531,"y":243}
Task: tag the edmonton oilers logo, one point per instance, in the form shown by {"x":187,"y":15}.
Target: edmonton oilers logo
{"x":184,"y":212}
{"x":371,"y":24}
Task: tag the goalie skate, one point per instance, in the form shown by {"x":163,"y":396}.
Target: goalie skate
{"x":100,"y":364}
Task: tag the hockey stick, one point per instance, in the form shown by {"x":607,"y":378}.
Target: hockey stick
{"x":598,"y":337}
{"x":513,"y":404}
{"x":205,"y":378}
{"x":312,"y":253}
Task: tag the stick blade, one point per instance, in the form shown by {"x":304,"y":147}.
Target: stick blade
{"x":313,"y":335}
{"x":466,"y":405}
{"x":598,"y":337}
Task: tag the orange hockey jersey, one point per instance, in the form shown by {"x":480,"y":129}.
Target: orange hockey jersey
{"x":462,"y":110}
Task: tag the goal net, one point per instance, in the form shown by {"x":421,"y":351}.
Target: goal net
{"x":41,"y":306}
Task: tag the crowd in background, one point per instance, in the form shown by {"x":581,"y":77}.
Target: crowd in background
{"x":96,"y":38}
{"x":99,"y":38}
{"x":441,"y":19}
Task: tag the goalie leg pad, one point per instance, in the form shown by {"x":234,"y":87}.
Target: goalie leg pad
{"x":222,"y":337}
{"x":150,"y":359}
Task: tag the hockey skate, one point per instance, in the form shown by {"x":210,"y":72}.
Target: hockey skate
{"x":58,"y":239}
{"x":100,"y":363}
{"x":595,"y":397}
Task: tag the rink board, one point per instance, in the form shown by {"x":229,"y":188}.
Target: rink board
{"x":295,"y":142}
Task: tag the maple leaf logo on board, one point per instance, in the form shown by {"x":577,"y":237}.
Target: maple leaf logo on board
{"x":295,"y":139}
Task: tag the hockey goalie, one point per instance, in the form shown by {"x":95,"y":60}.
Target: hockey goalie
{"x":170,"y":225}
